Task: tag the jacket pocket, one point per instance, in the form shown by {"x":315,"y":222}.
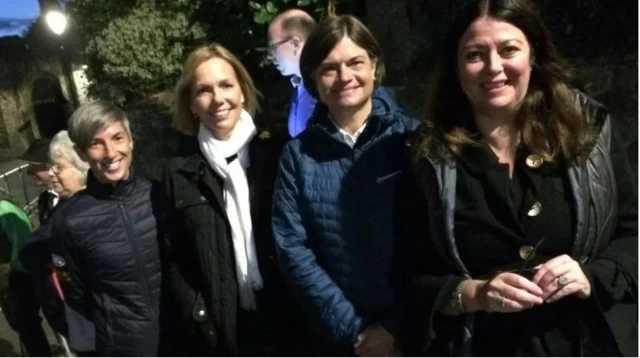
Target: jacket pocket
{"x":192,"y":212}
{"x":203,"y":322}
{"x":194,"y":199}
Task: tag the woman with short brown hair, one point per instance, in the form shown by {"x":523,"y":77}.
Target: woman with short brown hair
{"x":334,"y":214}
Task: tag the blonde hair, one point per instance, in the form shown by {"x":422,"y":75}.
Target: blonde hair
{"x":183,"y":118}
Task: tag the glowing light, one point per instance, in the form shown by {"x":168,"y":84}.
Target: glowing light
{"x":56,"y":21}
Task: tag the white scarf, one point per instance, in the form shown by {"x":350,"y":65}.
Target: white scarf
{"x":236,"y":198}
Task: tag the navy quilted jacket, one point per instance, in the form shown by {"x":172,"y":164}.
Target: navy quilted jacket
{"x":104,"y":244}
{"x":333,"y":219}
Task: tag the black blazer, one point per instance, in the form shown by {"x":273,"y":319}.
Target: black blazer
{"x":199,"y":252}
{"x":45,"y":206}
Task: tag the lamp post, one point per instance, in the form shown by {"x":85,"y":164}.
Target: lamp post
{"x":57,"y":22}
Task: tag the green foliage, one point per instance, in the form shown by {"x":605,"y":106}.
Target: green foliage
{"x":154,"y":139}
{"x":134,"y":48}
{"x":264,"y":12}
{"x":143,"y":50}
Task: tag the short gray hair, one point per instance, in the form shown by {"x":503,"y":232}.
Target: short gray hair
{"x":62,"y":146}
{"x":92,"y":117}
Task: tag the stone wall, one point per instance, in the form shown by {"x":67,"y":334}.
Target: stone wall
{"x":17,"y":76}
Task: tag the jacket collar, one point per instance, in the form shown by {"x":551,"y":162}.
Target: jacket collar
{"x":194,"y":166}
{"x":121,"y":190}
{"x":381,"y":117}
{"x":194,"y":162}
{"x":478,"y":158}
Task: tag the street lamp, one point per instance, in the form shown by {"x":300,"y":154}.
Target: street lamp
{"x":57,"y":22}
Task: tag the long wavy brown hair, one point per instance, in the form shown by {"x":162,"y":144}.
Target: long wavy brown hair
{"x":549,"y":123}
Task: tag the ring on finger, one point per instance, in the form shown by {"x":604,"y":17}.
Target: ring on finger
{"x":563,"y":281}
{"x":501,"y":301}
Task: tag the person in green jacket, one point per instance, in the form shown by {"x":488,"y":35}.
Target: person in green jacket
{"x":17,"y":289}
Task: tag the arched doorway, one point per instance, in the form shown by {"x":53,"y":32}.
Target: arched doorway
{"x":49,"y":105}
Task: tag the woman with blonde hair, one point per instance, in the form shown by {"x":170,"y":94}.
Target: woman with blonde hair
{"x":223,"y":274}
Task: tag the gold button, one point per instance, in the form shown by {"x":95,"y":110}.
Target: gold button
{"x":525,"y":251}
{"x":535,"y":209}
{"x":534,"y":161}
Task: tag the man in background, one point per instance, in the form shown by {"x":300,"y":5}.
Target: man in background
{"x":37,"y":155}
{"x":287,"y":35}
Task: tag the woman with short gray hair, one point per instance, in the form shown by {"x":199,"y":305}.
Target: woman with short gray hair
{"x":92,"y":117}
{"x":68,"y":172}
{"x":106,"y":239}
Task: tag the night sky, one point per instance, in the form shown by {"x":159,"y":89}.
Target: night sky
{"x":17,"y":15}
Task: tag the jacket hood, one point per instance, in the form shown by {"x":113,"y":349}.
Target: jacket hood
{"x":383,"y":101}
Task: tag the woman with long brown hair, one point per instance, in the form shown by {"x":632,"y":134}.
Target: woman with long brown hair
{"x":531,"y":247}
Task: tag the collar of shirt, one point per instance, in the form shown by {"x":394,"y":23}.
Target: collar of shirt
{"x":296,"y":81}
{"x":55,"y":198}
{"x":349,"y":139}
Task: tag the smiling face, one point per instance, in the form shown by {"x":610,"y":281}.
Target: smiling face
{"x":216,"y":97}
{"x":345,"y":78}
{"x":66,"y":179}
{"x":110,"y":154}
{"x":494,"y":65}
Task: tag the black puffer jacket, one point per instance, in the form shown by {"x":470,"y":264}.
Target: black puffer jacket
{"x":104,"y":244}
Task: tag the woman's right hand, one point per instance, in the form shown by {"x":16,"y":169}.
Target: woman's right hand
{"x":506,"y":292}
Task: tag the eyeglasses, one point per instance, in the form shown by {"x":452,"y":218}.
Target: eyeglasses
{"x":274,"y":46}
{"x":56,"y":168}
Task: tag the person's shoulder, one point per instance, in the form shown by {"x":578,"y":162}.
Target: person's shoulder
{"x":408,"y":123}
{"x":76,"y":204}
{"x":7,"y":206}
{"x":143,"y":184}
{"x":594,"y":112}
{"x":68,"y":209}
{"x":184,"y":160}
{"x":584,"y":99}
{"x":292,"y":149}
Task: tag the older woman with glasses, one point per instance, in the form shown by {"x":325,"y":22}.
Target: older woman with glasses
{"x":68,"y":173}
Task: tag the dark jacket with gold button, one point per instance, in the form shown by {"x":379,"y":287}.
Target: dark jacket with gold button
{"x":202,"y":279}
{"x":601,"y":230}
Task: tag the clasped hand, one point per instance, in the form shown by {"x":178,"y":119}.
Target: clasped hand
{"x":557,"y":278}
{"x":375,"y":341}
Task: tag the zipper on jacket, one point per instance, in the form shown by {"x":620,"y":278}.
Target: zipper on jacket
{"x":142,"y":277}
